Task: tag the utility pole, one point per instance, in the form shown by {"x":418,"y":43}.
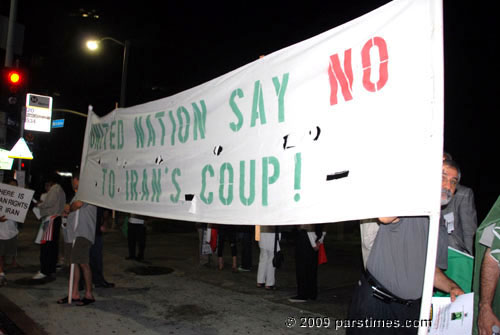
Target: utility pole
{"x":9,"y":49}
{"x":9,"y":55}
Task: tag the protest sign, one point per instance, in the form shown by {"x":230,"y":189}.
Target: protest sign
{"x":14,"y":202}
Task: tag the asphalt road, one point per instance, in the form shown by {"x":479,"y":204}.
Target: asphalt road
{"x":170,"y":293}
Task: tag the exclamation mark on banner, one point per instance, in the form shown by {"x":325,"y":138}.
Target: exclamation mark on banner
{"x":298,"y":168}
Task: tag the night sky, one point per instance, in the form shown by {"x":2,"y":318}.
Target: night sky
{"x":178,"y":45}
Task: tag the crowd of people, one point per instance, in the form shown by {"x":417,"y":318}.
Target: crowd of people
{"x":393,"y":249}
{"x":81,"y":225}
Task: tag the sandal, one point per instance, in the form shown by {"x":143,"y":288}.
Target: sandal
{"x":271,"y":288}
{"x":85,"y":302}
{"x":260,"y":285}
{"x":65,"y":300}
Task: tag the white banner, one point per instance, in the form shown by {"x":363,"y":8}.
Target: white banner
{"x":14,"y":202}
{"x":346,"y":125}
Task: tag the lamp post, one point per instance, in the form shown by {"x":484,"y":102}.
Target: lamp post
{"x":94,"y":45}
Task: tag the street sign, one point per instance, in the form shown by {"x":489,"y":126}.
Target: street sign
{"x":20,"y":150}
{"x":58,"y":123}
{"x":38,"y":112}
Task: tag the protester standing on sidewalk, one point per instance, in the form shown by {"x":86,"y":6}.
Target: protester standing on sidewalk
{"x":96,"y":264}
{"x":136,"y":237}
{"x":246,"y":234}
{"x":81,"y":224}
{"x":309,"y":237}
{"x":50,"y":210}
{"x":227,"y":233}
{"x":266,"y":270}
{"x":487,"y":274}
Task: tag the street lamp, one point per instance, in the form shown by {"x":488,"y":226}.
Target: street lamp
{"x":93,"y":45}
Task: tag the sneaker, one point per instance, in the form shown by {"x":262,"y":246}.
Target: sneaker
{"x":39,"y":275}
{"x":243,"y":269}
{"x":297,"y":299}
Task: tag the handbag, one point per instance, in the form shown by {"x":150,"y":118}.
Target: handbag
{"x":322,"y":254}
{"x":278,"y":258}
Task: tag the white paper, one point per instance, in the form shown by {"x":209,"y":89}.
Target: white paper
{"x":38,"y":238}
{"x":450,"y":219}
{"x":453,"y":318}
{"x":36,"y":211}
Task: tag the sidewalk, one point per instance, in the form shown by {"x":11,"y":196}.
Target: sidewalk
{"x":184,"y":298}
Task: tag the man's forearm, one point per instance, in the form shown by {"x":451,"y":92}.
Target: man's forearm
{"x":489,"y":279}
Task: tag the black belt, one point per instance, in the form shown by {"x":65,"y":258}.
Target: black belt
{"x":381,"y":293}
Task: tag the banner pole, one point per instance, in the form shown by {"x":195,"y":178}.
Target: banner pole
{"x":72,"y":269}
{"x":436,"y":11}
{"x":430,"y":269}
{"x":70,"y":288}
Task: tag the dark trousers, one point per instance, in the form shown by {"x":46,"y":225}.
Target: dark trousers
{"x":226,"y":234}
{"x":136,"y":237}
{"x":246,"y":238}
{"x":306,"y":267}
{"x":96,"y":261}
{"x":376,"y":312}
{"x":49,"y":251}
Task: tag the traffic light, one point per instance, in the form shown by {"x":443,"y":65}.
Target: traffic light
{"x":14,"y":83}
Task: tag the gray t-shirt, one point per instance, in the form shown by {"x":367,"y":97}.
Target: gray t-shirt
{"x":85,"y":227}
{"x":54,"y":201}
{"x":397,"y":258}
{"x":488,"y":236}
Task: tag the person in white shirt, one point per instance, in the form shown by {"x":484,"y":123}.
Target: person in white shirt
{"x":50,"y":210}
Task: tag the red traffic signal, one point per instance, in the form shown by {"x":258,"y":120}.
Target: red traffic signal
{"x":14,"y":79}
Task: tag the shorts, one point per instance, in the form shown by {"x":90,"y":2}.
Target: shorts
{"x":80,"y":251}
{"x":67,"y":253}
{"x":8,"y":247}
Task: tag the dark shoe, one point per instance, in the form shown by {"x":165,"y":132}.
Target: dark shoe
{"x":260,"y":285}
{"x":271,"y":288}
{"x":85,"y":302}
{"x":65,"y":300}
{"x":104,"y":285}
{"x":129,"y":258}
